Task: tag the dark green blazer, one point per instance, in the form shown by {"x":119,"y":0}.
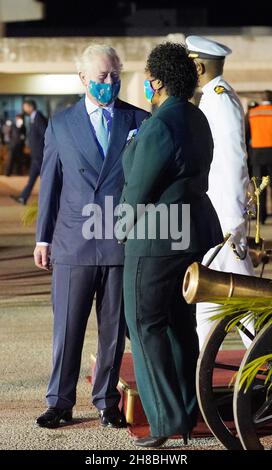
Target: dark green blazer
{"x":168,"y":163}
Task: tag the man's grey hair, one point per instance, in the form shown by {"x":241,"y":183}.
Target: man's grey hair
{"x":84,"y":61}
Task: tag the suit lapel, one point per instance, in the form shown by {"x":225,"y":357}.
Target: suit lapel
{"x":121,"y":125}
{"x":80,"y":126}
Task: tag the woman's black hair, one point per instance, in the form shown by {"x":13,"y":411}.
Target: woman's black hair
{"x":170,"y":63}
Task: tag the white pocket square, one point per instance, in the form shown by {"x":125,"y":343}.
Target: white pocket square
{"x":132,"y":133}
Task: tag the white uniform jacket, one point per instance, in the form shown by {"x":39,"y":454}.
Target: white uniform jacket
{"x":228,"y":178}
{"x":228,"y":183}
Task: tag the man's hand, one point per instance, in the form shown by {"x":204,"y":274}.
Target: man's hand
{"x":238,"y":243}
{"x":41,"y":257}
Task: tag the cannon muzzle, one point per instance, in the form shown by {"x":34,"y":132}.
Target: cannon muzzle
{"x":202,"y":284}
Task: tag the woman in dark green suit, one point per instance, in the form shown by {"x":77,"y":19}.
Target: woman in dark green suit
{"x":166,"y":166}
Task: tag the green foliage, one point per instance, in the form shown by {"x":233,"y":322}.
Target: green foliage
{"x":258,"y":366}
{"x":248,"y":309}
{"x":30,"y":215}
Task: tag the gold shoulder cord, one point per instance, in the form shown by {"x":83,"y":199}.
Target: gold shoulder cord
{"x":258,"y":189}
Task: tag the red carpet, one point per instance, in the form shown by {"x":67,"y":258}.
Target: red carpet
{"x":138,"y":423}
{"x":132,"y":404}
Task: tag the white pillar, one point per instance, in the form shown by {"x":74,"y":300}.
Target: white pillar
{"x":20,"y":10}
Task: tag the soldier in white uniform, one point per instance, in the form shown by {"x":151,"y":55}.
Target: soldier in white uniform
{"x":228,"y":178}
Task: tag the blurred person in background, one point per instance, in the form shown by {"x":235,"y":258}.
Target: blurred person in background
{"x":5,"y":141}
{"x":260,"y":137}
{"x":37,"y":128}
{"x":252,"y":104}
{"x":6,"y":131}
{"x":16,"y":146}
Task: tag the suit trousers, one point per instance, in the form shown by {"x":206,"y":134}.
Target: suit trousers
{"x":15,"y":160}
{"x":73,"y":289}
{"x":164,"y":341}
{"x":34,"y":173}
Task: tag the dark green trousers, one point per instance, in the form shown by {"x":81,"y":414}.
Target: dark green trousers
{"x":164,"y":341}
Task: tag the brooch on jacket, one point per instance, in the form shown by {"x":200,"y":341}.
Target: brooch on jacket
{"x":131,"y":135}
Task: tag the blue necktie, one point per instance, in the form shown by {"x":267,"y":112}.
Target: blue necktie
{"x":102,"y":132}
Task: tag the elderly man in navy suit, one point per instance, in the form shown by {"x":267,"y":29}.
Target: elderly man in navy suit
{"x":82,"y":171}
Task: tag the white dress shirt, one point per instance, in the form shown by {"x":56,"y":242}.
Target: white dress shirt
{"x":94,"y":117}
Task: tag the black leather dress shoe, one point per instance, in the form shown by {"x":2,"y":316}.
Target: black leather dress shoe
{"x":112,"y":418}
{"x":52,"y":417}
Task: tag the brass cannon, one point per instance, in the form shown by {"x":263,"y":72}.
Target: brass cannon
{"x":202,"y":284}
{"x":251,"y":411}
{"x":248,"y":405}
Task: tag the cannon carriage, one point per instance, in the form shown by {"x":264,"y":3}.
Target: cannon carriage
{"x":250,"y":406}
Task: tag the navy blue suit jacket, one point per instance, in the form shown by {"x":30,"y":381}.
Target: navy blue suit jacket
{"x":73,"y":175}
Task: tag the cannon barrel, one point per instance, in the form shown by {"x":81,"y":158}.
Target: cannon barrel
{"x":202,"y":284}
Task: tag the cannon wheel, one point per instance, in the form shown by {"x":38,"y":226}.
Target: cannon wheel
{"x":251,"y":413}
{"x":210,"y":403}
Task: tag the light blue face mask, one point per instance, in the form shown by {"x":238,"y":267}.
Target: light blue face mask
{"x":148,"y":90}
{"x":105,"y":93}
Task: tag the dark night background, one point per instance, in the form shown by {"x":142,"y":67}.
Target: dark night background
{"x":141,"y":17}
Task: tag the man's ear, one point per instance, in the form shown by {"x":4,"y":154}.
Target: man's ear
{"x":83,"y":79}
{"x":200,"y":67}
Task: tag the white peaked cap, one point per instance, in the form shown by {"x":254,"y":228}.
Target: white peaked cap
{"x":204,"y":48}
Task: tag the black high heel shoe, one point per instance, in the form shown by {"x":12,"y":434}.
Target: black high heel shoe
{"x":150,"y":441}
{"x":185,"y":438}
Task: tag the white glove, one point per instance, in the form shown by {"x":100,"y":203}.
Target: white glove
{"x":238,"y":243}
